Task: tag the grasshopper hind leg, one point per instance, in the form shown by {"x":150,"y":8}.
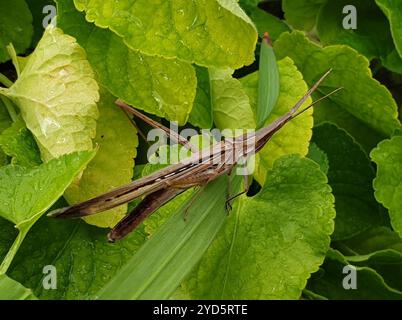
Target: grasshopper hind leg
{"x":145,"y":208}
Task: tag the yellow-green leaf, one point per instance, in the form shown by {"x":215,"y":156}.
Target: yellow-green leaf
{"x":388,"y":183}
{"x":230,"y":103}
{"x":116,"y":139}
{"x":160,"y":86}
{"x":57,"y":95}
{"x":13,"y":290}
{"x":211,"y":33}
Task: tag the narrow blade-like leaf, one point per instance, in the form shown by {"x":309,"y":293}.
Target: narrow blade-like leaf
{"x":174,"y":249}
{"x":268,"y":85}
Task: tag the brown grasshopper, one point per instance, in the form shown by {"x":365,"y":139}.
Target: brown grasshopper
{"x":197,"y":170}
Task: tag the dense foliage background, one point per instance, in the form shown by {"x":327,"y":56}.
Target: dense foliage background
{"x":327,"y":192}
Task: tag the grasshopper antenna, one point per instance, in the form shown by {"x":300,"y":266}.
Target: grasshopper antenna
{"x":317,"y":101}
{"x":310,"y":92}
{"x":171,"y":134}
{"x":263,"y":135}
{"x":136,"y":126}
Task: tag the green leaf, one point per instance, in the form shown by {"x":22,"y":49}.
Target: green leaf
{"x":26,"y":193}
{"x":295,"y":136}
{"x":302,"y":14}
{"x":7,"y":235}
{"x":3,"y":159}
{"x":378,"y":248}
{"x":273,"y":241}
{"x":329,"y":111}
{"x":372,"y":38}
{"x":309,"y":295}
{"x":18,"y":143}
{"x":230,"y":103}
{"x":165,"y":87}
{"x":370,"y":284}
{"x":318,"y":156}
{"x":12,"y":290}
{"x":376,"y":239}
{"x":180,"y":294}
{"x":249,"y":4}
{"x":268,"y":82}
{"x":350,"y":176}
{"x":116,"y":138}
{"x":388,"y":263}
{"x":57,"y":95}
{"x":37,"y":8}
{"x":388,"y":183}
{"x":266,"y":22}
{"x":210,"y":33}
{"x":174,"y":249}
{"x":393,"y":62}
{"x":362,"y":96}
{"x":83,"y":258}
{"x":393,"y":10}
{"x":201,"y":114}
{"x":5,"y":122}
{"x":15,"y":61}
{"x":15,"y":27}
